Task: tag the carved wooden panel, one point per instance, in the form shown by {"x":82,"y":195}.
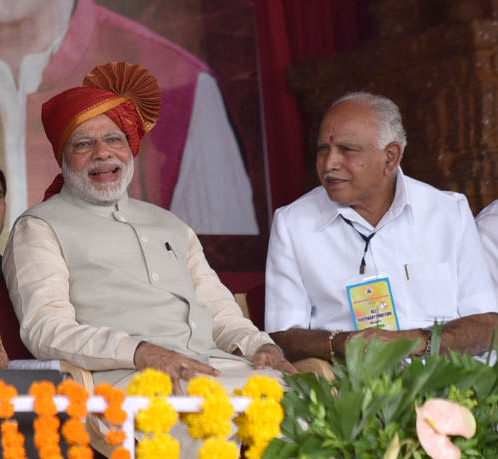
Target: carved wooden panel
{"x":444,"y":79}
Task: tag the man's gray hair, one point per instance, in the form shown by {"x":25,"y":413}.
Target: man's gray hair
{"x":389,"y":116}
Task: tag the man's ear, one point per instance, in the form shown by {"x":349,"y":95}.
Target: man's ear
{"x":393,"y":157}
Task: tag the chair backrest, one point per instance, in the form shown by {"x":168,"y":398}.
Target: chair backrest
{"x":252,"y":304}
{"x":9,"y":328}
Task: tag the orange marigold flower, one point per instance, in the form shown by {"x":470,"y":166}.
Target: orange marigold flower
{"x":110,"y":393}
{"x":12,"y":441}
{"x":7,"y":393}
{"x":47,"y":423}
{"x":74,"y":432}
{"x":50,"y":451}
{"x":44,"y":438}
{"x":115,"y":415}
{"x":121,"y":453}
{"x":80,"y":452}
{"x":115,"y":437}
{"x":42,"y":389}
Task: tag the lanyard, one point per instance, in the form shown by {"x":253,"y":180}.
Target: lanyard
{"x":367,"y":240}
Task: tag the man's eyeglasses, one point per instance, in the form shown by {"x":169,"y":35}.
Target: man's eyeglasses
{"x":85,"y":144}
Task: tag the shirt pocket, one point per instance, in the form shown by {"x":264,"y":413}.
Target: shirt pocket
{"x":432,"y":292}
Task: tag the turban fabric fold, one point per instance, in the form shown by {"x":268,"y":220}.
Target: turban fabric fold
{"x":128,"y":94}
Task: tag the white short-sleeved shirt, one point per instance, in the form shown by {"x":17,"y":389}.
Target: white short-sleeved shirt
{"x":427,"y":244}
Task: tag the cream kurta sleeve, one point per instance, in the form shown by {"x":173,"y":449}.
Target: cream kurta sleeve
{"x":231,"y":330}
{"x":38,"y":283}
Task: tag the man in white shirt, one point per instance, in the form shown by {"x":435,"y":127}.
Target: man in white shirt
{"x":366,"y":229}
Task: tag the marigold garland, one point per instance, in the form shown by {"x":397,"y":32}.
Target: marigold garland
{"x":157,"y":420}
{"x":46,"y":425}
{"x":151,"y":382}
{"x":257,"y":426}
{"x":213,"y":423}
{"x":261,"y":421}
{"x":7,"y":393}
{"x":161,"y":445}
{"x":116,"y":416}
{"x":12,"y":441}
{"x":218,"y":448}
{"x":74,"y":429}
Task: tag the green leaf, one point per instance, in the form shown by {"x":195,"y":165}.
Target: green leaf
{"x":383,"y":357}
{"x":436,"y":335}
{"x":345,"y":413}
{"x":355,"y":352}
{"x":279,"y":449}
{"x":313,"y":447}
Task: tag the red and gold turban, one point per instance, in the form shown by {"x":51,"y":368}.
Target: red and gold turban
{"x":126,"y":93}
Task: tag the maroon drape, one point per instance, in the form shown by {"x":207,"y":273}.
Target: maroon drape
{"x":289,"y":32}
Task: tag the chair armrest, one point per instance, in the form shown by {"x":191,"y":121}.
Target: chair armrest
{"x":313,"y":365}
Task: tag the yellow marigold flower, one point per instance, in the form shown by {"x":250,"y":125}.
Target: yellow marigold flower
{"x":151,"y":382}
{"x":213,"y":420}
{"x":256,"y":450}
{"x":161,"y":446}
{"x":260,"y":386}
{"x":159,"y":417}
{"x":260,"y":422}
{"x":217,"y":448}
{"x":202,"y":386}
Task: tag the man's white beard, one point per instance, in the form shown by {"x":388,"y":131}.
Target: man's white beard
{"x":109,"y":192}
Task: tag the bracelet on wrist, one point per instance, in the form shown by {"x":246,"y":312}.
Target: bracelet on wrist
{"x":427,"y":332}
{"x":332,"y":335}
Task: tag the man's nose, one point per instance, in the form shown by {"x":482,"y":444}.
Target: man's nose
{"x":101,"y":150}
{"x":333,"y":159}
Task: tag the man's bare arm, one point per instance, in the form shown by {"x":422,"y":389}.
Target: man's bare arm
{"x":468,"y":335}
{"x":300,"y":343}
{"x":471,"y":334}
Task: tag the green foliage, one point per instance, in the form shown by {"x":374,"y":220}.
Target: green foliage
{"x":368,"y":410}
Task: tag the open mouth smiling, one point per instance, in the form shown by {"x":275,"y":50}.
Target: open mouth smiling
{"x":105,"y":171}
{"x":101,"y":173}
{"x":334,"y":180}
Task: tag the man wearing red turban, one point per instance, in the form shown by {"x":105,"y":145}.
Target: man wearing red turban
{"x":113,"y":284}
{"x":128,"y":95}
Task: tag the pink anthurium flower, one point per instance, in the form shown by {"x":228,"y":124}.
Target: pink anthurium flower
{"x":436,"y":419}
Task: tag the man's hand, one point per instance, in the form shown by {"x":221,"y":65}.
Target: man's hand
{"x":269,"y":355}
{"x":177,"y":365}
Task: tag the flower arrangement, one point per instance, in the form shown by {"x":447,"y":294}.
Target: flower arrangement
{"x":47,"y":423}
{"x":12,"y":439}
{"x":157,"y":420}
{"x":382,"y":406}
{"x":213,"y":423}
{"x":260,"y":423}
{"x":74,"y":429}
{"x":116,"y":416}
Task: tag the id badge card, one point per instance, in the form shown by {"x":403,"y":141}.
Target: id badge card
{"x":372,"y":304}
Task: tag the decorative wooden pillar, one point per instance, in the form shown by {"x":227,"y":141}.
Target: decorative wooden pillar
{"x":438,"y":60}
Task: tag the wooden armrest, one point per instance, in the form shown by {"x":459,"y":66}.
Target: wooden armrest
{"x":313,"y":365}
